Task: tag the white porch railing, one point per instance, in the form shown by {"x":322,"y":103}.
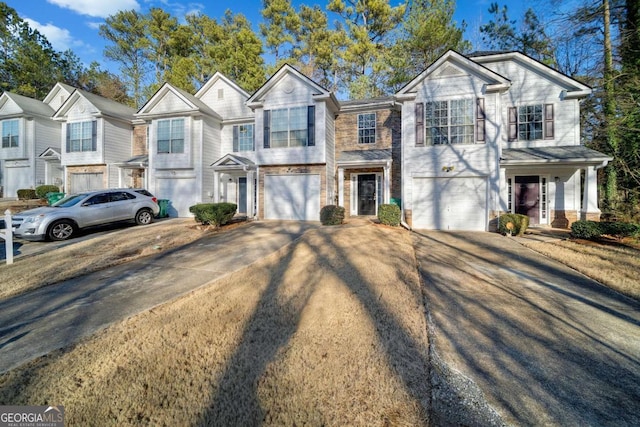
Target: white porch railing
{"x":7,"y":235}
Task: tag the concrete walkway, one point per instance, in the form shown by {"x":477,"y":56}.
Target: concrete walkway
{"x":56,"y":316}
{"x":519,"y":339}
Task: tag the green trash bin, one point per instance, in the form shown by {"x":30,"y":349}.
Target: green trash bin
{"x":396,"y":201}
{"x":163,"y":204}
{"x":54,"y":197}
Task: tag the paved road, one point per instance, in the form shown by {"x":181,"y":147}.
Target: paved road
{"x":517,"y":332}
{"x":41,"y":321}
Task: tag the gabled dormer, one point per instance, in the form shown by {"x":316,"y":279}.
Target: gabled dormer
{"x":294,"y":119}
{"x":225,"y":97}
{"x":58,"y":95}
{"x":178,"y":122}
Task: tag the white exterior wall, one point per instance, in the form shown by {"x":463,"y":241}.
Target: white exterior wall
{"x":226,"y":135}
{"x":330,"y":149}
{"x":211,"y":151}
{"x":118,"y":141}
{"x":530,"y":88}
{"x":171,"y":160}
{"x":226,"y":100}
{"x":478,"y":159}
{"x":290,"y":92}
{"x":83,"y":111}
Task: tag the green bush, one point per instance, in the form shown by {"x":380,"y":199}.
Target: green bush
{"x":27,"y":194}
{"x":215,"y":214}
{"x":332,"y":215}
{"x":513,"y":224}
{"x":43,"y":190}
{"x":620,"y":230}
{"x":586,"y":230}
{"x":389,"y":215}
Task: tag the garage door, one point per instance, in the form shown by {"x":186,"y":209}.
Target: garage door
{"x":450,"y":203}
{"x":294,"y":197}
{"x":86,"y":182}
{"x":16,"y":179}
{"x":180,"y":192}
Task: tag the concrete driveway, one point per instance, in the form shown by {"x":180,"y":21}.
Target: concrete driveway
{"x":520,"y":339}
{"x":38,"y":322}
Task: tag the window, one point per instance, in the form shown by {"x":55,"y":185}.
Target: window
{"x":449,"y":122}
{"x":289,"y":127}
{"x":367,"y":128}
{"x":531,"y":122}
{"x":10,"y":133}
{"x":81,"y":136}
{"x":171,"y":136}
{"x":243,"y":138}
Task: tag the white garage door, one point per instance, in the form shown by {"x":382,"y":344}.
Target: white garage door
{"x":181,"y":193}
{"x":292,"y":197}
{"x":450,"y":203}
{"x":86,"y":182}
{"x":16,"y":179}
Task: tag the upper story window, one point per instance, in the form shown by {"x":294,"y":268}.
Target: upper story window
{"x":243,"y":138}
{"x":367,"y":128}
{"x":81,"y":136}
{"x":456,"y":121}
{"x":289,"y":127}
{"x":531,"y":122}
{"x":171,"y":136}
{"x":10,"y":133}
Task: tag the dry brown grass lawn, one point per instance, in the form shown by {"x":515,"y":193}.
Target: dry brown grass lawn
{"x":95,"y":254}
{"x":612,"y":264}
{"x":329,"y":330}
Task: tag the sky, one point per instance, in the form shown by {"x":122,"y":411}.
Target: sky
{"x":73,"y":24}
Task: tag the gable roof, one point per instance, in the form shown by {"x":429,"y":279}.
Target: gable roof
{"x":106,"y":107}
{"x":29,"y":106}
{"x":573,"y":88}
{"x":231,"y":161}
{"x":494,"y":81}
{"x":56,"y":89}
{"x":194,"y":106}
{"x":215,"y":78}
{"x":257,"y":99}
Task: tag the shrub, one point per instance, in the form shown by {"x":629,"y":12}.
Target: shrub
{"x":43,"y":190}
{"x":586,"y":230}
{"x":332,"y":215}
{"x":513,"y":224}
{"x":389,"y":215}
{"x":620,"y":230}
{"x":215,"y":214}
{"x":27,"y":194}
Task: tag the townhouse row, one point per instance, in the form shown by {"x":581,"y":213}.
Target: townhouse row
{"x":469,"y":138}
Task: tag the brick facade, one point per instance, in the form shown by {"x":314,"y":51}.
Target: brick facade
{"x":140,"y":146}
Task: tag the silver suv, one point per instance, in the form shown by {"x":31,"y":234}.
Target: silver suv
{"x":64,"y":218}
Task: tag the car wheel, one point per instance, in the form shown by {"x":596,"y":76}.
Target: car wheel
{"x":61,"y":230}
{"x":144,"y":217}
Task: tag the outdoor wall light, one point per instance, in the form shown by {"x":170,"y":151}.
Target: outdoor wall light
{"x":447,"y":168}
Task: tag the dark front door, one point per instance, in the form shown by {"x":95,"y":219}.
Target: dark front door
{"x":367,"y":194}
{"x":242,"y":195}
{"x":528,"y":197}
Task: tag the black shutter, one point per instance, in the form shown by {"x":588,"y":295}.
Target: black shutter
{"x":235,"y":138}
{"x":548,"y":121}
{"x":480,"y":121}
{"x":267,"y":128}
{"x":68,"y":137}
{"x":419,"y":124}
{"x":94,"y":135}
{"x":513,"y":124}
{"x":311,"y":125}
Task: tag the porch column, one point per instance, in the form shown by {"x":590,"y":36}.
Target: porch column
{"x":216,"y":186}
{"x":340,"y":187}
{"x":590,"y":208}
{"x":387,"y":183}
{"x":250,"y":191}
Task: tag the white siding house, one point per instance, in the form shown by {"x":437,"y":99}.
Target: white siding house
{"x":491,"y":134}
{"x":30,"y":147}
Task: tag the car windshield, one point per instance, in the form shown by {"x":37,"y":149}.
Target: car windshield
{"x":69,"y":201}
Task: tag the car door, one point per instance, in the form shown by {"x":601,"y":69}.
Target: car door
{"x":122,"y":205}
{"x":95,"y":210}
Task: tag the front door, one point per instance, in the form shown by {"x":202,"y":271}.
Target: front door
{"x":242,"y":195}
{"x":367,"y":194}
{"x":527,"y":196}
